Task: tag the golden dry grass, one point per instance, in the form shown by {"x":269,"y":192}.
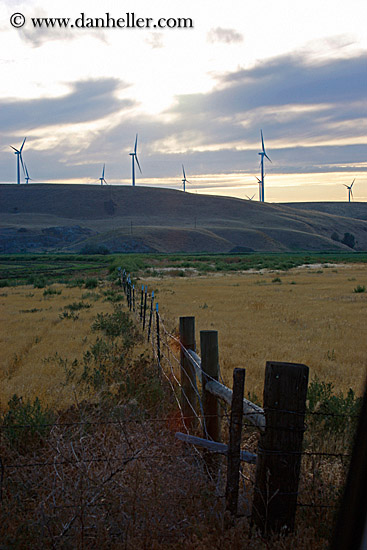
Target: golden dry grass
{"x":312,"y":316}
{"x":29,"y":338}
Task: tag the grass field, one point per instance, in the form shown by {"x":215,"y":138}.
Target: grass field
{"x":39,"y":328}
{"x":310,"y":315}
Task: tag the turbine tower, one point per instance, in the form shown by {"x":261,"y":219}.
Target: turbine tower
{"x":134,"y":158}
{"x":18,"y":152}
{"x":184,"y":181}
{"x":349,"y":187}
{"x":262,"y":154}
{"x":101,"y":179}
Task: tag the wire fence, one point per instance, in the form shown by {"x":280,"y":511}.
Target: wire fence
{"x":324,"y":460}
{"x":89,"y":479}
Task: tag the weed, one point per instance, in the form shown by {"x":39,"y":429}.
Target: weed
{"x":26,"y":424}
{"x":113,"y":296}
{"x":51,"y":292}
{"x":332,"y":413}
{"x":276,"y":280}
{"x":77,"y":306}
{"x":116,"y":324}
{"x":91,"y":283}
{"x":91,"y":296}
{"x":359,"y":288}
{"x":33,"y":310}
{"x":69,"y":315}
{"x":78,"y":282}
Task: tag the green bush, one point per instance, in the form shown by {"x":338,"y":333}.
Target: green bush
{"x":333,"y":413}
{"x":359,"y":288}
{"x":91,"y":283}
{"x":26,"y":424}
{"x":51,"y":292}
{"x":77,"y":306}
{"x":116,"y":324}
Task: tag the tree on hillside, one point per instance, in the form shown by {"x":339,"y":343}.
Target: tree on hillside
{"x":349,"y":240}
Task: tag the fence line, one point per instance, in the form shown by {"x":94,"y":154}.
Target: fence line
{"x":281,"y":421}
{"x":275,"y":421}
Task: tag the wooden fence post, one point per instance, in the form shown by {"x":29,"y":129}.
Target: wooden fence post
{"x":133,"y":297}
{"x":158,"y":337}
{"x":234,"y":445}
{"x":145,"y":305}
{"x":210,"y":367}
{"x":188,"y":375}
{"x":280,"y":447}
{"x":150,"y":315}
{"x":141,"y":302}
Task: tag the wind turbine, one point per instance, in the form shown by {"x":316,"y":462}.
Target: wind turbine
{"x":184,"y":181}
{"x":250,"y":198}
{"x":349,"y":187}
{"x":26,"y":177}
{"x":259,"y":182}
{"x":18,"y":152}
{"x":101,"y":179}
{"x":262,"y":154}
{"x":134,"y":157}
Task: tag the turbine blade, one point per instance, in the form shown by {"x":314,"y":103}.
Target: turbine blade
{"x":137,"y":162}
{"x":26,"y":170}
{"x":183,"y":170}
{"x":14,"y":148}
{"x":22,"y":145}
{"x":21,"y":160}
{"x":265,"y":155}
{"x":346,"y":186}
{"x":136,"y":143}
{"x":104,"y":166}
{"x":352,"y":183}
{"x":262,"y":141}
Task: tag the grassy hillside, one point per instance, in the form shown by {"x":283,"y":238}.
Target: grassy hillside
{"x":141,"y":219}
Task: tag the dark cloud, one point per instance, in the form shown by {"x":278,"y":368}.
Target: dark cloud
{"x":87,"y":101}
{"x":292,"y":100}
{"x":226,"y":36}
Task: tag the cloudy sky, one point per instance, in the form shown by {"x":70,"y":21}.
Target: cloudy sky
{"x":196,"y":96}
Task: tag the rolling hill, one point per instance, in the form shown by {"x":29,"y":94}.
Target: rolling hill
{"x":50,"y":217}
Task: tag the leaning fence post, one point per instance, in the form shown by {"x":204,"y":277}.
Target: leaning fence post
{"x":130,"y":298}
{"x":210,"y":367}
{"x":280,"y":447}
{"x":234,"y":445}
{"x":133,"y":297}
{"x":188,"y":376}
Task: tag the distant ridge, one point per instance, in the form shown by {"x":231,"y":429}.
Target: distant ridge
{"x":46,"y":217}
